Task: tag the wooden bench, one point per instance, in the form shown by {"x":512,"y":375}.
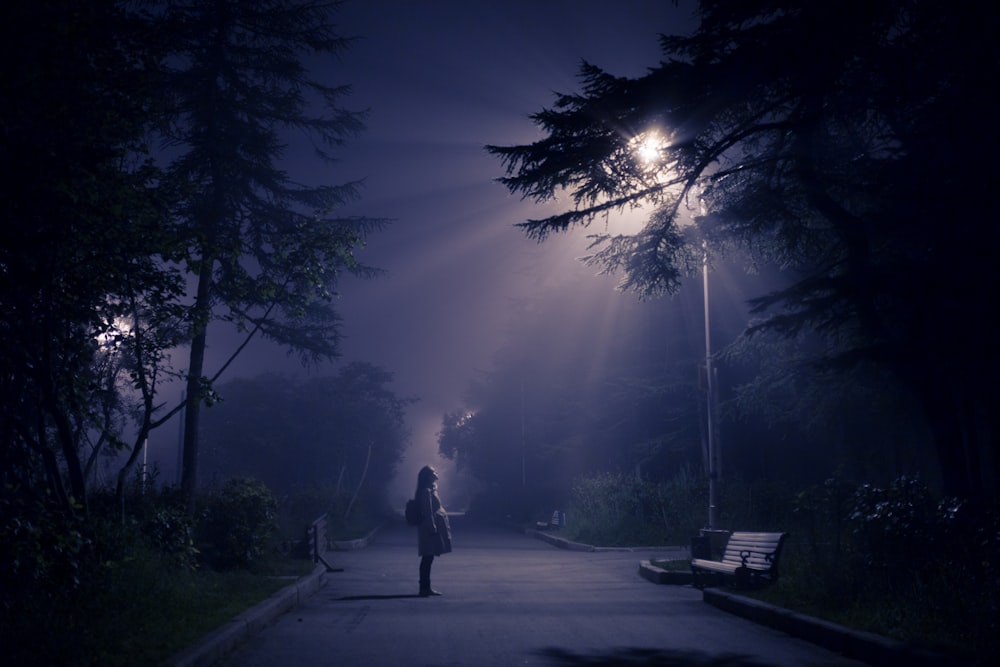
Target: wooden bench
{"x":750,"y":559}
{"x":554,"y":523}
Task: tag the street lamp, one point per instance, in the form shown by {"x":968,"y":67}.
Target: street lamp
{"x":649,"y":147}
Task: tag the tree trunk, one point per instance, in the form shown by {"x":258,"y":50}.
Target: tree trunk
{"x":195,"y":386}
{"x":954,"y":441}
{"x":68,"y":446}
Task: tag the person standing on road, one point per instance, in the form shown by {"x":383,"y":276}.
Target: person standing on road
{"x":434,"y":534}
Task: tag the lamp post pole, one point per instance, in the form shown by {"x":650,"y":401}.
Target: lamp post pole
{"x":713,"y":471}
{"x":649,"y":149}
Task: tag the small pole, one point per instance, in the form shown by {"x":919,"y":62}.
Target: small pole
{"x":524,"y":473}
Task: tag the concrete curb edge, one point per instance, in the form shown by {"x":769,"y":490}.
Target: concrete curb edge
{"x":211,"y":648}
{"x":564,"y":543}
{"x":560,"y":542}
{"x":658,"y":575}
{"x":865,"y":646}
{"x":359,"y":543}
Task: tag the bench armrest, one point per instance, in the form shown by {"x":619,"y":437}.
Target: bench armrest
{"x":746,"y":553}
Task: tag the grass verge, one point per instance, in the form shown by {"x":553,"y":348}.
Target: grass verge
{"x":906,"y":615}
{"x":179,"y":608}
{"x":139,"y":611}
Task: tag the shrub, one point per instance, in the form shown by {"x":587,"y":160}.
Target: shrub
{"x":237,"y":524}
{"x":621,"y":509}
{"x":170,"y":531}
{"x":44,"y":555}
{"x":895,"y":560}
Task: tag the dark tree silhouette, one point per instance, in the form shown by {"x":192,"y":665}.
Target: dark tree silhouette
{"x":83,"y":244}
{"x":265,"y":252}
{"x":843,"y":142}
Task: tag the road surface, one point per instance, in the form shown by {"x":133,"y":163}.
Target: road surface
{"x":510,"y":599}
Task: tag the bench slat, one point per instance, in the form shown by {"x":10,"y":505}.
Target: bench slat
{"x":714,"y":565}
{"x":753,"y":542}
{"x":761,"y":551}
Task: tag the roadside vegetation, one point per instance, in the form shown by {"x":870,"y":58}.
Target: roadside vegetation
{"x":136,"y":586}
{"x":139,"y":209}
{"x":897,"y":560}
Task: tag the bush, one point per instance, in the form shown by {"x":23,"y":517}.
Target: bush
{"x":895,"y":560}
{"x":237,"y":524}
{"x":615,"y":509}
{"x":117,"y":585}
{"x":901,"y":530}
{"x":170,"y":531}
{"x":45,"y":559}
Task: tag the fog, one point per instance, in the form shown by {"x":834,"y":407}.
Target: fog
{"x":441,"y":80}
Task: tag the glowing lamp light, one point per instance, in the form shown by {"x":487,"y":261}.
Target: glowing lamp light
{"x":649,"y":147}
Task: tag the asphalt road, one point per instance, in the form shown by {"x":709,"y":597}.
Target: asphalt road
{"x":510,"y":600}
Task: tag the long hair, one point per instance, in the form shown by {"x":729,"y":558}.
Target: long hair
{"x":425,"y":479}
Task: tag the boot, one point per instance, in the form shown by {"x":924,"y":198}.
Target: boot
{"x":425,"y":589}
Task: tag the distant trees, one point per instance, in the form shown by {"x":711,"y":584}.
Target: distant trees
{"x":576,"y":390}
{"x":840,"y":141}
{"x":346,"y":432}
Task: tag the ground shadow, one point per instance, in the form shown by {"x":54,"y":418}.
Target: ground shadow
{"x":347,"y":598}
{"x":647,"y":657}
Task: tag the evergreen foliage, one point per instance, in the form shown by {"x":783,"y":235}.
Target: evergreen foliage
{"x":144,"y":197}
{"x":831,"y":140}
{"x":264,"y":250}
{"x":84,"y":254}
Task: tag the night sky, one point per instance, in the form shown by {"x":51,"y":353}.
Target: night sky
{"x":441,"y":79}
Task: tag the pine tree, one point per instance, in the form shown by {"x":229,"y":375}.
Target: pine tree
{"x":832,"y":139}
{"x":265,"y":252}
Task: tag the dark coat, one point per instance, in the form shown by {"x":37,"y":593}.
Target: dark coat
{"x":434,"y":533}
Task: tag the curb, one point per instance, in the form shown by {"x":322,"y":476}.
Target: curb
{"x":560,"y":542}
{"x":212,"y":647}
{"x":660,"y":576}
{"x":563,"y":543}
{"x":359,"y":543}
{"x":217,"y":643}
{"x":865,"y":646}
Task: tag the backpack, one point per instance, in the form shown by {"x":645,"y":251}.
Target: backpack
{"x":412,"y":512}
